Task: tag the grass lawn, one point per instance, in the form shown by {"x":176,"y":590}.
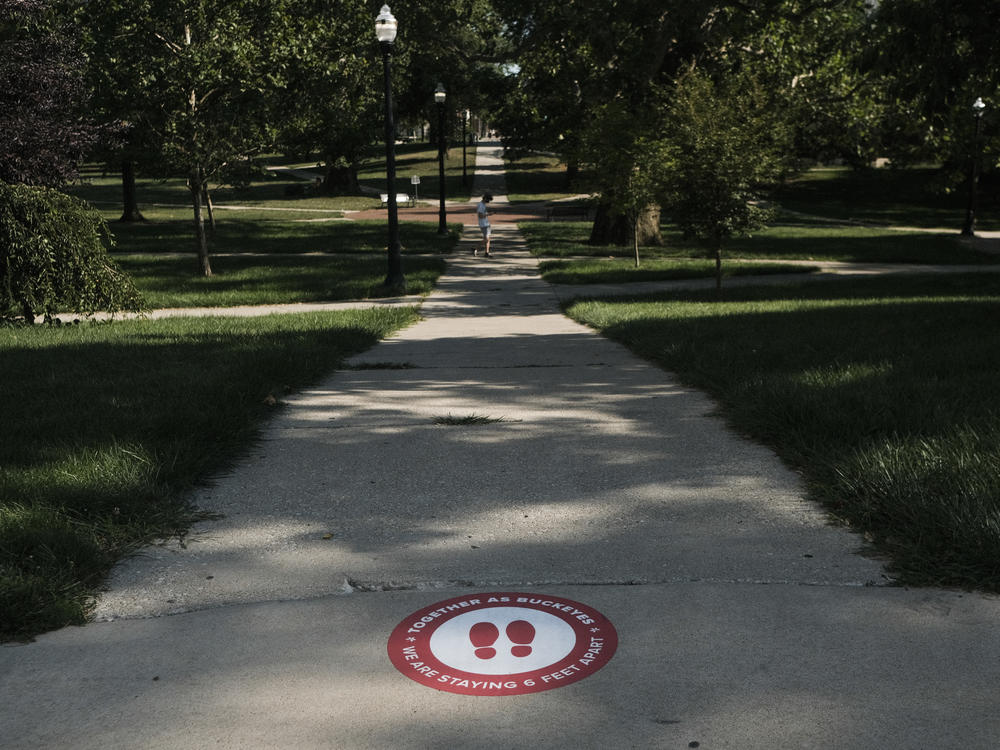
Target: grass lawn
{"x":104,"y":191}
{"x":107,"y":426}
{"x":537,"y":177}
{"x":798,"y":240}
{"x":622,"y":270}
{"x":329,"y":258}
{"x":170,"y":231}
{"x":912,"y":197}
{"x":170,"y":281}
{"x":421,"y":160}
{"x":882,"y":392}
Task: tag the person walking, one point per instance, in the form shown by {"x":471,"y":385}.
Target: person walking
{"x":483,"y":214}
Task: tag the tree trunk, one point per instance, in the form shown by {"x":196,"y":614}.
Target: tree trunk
{"x":130,"y":204}
{"x":199,"y":225}
{"x":206,"y":198}
{"x":572,"y":172}
{"x":718,"y":264}
{"x":617,"y":229}
{"x":635,"y":238}
{"x":341,"y":180}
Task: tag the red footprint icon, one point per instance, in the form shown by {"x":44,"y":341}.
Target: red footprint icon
{"x":483,"y":635}
{"x":521,"y":632}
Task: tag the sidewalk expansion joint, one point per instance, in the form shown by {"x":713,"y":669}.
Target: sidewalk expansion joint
{"x":368,"y":587}
{"x":553,"y":366}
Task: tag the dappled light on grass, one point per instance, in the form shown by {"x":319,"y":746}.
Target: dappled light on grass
{"x":618,"y":271}
{"x":255,"y":280}
{"x":781,"y":241}
{"x":881,"y":391}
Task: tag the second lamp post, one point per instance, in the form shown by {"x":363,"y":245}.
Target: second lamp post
{"x":969,"y":229}
{"x":439,"y":96}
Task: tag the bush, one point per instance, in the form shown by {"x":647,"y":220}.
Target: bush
{"x":53,"y":255}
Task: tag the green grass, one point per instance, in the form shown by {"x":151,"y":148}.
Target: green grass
{"x":536,"y":177}
{"x":789,"y":240}
{"x":916,"y":197}
{"x":328,"y":258}
{"x":421,"y":160}
{"x":170,"y":281}
{"x":104,"y":190}
{"x":107,"y":426}
{"x":882,"y":392}
{"x":170,"y":231}
{"x":621,"y":270}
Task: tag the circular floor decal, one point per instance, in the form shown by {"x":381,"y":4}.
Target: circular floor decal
{"x":502,"y":643}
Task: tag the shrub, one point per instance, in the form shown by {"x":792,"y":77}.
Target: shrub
{"x":53,"y":255}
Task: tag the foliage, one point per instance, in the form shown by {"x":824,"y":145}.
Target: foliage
{"x":725,"y":148}
{"x":53,"y":254}
{"x":591,"y":84}
{"x":935,"y":57}
{"x":196,"y":68}
{"x":628,"y":174}
{"x":332,"y":99}
{"x":44,"y":132}
{"x":812,"y":58}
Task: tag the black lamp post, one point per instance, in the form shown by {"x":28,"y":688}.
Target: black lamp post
{"x":465,"y":139}
{"x":385,"y":31}
{"x":969,"y":229}
{"x":439,"y":96}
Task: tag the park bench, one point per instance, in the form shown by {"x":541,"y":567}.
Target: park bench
{"x":402,"y":199}
{"x":567,"y":210}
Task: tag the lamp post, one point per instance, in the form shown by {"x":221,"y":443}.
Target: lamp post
{"x":969,"y":229}
{"x":439,"y":96}
{"x":385,"y":31}
{"x":465,"y":139}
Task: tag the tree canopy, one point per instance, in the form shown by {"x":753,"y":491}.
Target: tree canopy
{"x":44,"y":130}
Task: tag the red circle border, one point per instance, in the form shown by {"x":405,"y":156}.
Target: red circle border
{"x":409,"y":650}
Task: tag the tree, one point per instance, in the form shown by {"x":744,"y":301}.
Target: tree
{"x":726,"y":147}
{"x":331,"y":101}
{"x":53,"y":253}
{"x":631,"y":177}
{"x":934,"y":58}
{"x":577,"y":60}
{"x":44,"y":131}
{"x":120,"y":71}
{"x":206,"y":79}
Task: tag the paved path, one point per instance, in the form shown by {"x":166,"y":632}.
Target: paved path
{"x":744,"y":620}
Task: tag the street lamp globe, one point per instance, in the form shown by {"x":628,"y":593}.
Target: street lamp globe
{"x":978,"y":106}
{"x":440,"y":94}
{"x":385,"y":26}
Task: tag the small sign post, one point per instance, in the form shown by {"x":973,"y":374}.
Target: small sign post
{"x":415,"y":181}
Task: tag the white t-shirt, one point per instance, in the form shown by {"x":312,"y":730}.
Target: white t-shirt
{"x":484,"y":220}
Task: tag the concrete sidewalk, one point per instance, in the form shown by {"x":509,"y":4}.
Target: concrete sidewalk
{"x":744,"y":620}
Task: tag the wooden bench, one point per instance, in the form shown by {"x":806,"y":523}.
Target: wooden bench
{"x":571,"y":210}
{"x":402,"y":199}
